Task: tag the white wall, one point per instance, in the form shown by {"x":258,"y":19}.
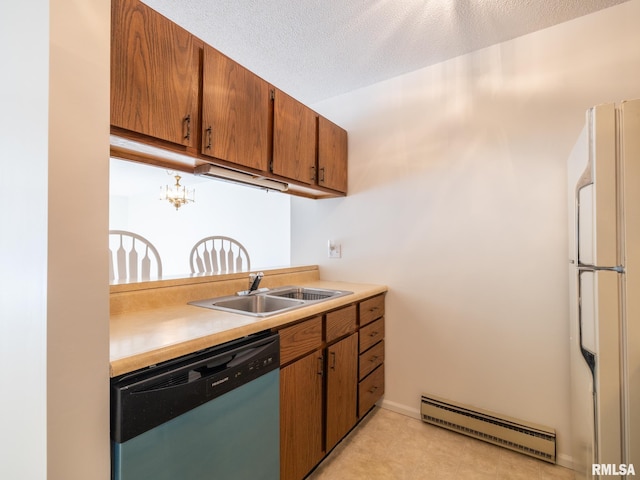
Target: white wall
{"x":54,"y":337}
{"x":457,"y":202}
{"x":258,"y":219}
{"x":23,"y":255}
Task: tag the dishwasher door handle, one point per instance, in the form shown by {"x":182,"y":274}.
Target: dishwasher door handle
{"x":246,"y":355}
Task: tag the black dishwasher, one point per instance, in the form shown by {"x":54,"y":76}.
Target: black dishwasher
{"x":213,"y":414}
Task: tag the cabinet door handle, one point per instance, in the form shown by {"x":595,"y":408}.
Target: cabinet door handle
{"x":208,"y":146}
{"x":333,"y":360}
{"x":187,"y":122}
{"x":313,"y":173}
{"x":321,"y":174}
{"x":320,"y":366}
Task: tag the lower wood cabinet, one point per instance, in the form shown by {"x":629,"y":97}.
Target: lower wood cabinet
{"x":332,"y":374}
{"x":301,"y":419}
{"x":342,"y":389}
{"x":371,"y":348}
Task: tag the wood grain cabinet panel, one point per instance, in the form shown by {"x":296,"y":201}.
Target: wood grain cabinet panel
{"x":340,"y":322}
{"x":371,"y":309}
{"x":332,"y":155}
{"x":300,"y":339}
{"x":294,"y":139}
{"x":301,"y":417}
{"x":235,"y":112}
{"x":342,"y":389}
{"x":155,"y":74}
{"x":371,"y":359}
{"x":371,"y":348}
{"x":371,"y":334}
{"x":370,"y":390}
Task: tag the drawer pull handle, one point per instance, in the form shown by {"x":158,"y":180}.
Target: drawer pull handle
{"x":373,"y":334}
{"x":373,"y":309}
{"x":372,"y":390}
{"x":374,"y":358}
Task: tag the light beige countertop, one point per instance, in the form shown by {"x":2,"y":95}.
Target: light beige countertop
{"x":144,"y":337}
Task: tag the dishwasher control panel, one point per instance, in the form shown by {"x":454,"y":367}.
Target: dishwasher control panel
{"x":249,"y":366}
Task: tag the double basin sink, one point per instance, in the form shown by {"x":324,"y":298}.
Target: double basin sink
{"x":270,"y":302}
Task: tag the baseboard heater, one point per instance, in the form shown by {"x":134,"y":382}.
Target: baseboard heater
{"x":531,"y":439}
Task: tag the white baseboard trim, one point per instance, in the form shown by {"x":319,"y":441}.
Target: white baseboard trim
{"x":402,"y":409}
{"x":564,"y":460}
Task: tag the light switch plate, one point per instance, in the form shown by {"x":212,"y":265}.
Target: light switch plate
{"x":335,"y":249}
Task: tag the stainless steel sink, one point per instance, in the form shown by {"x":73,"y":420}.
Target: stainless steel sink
{"x":270,"y":302}
{"x":258,"y":305}
{"x":304,"y":293}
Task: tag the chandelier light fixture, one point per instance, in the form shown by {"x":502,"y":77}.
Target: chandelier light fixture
{"x":178,"y":195}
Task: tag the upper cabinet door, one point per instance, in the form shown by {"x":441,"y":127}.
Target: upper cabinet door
{"x":294,"y":139}
{"x":154,"y":74}
{"x":235,"y":112}
{"x":332,"y":155}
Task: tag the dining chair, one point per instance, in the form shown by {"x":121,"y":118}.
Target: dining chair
{"x":131,"y":257}
{"x":219,"y":254}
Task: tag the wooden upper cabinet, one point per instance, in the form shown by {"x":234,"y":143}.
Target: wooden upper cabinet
{"x":332,"y":155}
{"x":235,"y":112}
{"x":171,"y":90}
{"x":154,"y":74}
{"x":294,"y":139}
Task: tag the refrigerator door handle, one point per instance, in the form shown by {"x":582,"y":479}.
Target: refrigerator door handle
{"x":585,"y":180}
{"x":589,"y":356}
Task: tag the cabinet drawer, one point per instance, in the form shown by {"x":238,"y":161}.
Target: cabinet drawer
{"x":371,"y":334}
{"x":300,"y":339}
{"x":341,"y":322}
{"x":370,"y":390}
{"x":371,"y":359}
{"x":371,"y":309}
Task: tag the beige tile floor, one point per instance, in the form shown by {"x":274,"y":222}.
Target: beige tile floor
{"x":390,"y":446}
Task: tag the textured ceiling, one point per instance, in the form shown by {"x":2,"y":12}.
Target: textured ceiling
{"x":316,"y":49}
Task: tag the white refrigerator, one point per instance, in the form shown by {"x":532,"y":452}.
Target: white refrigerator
{"x":604,"y":263}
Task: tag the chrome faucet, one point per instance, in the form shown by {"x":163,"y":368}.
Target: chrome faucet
{"x":254,"y":282}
